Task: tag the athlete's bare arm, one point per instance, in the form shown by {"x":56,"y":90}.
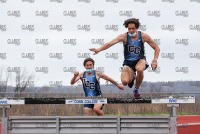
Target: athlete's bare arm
{"x":76,"y":77}
{"x":105,"y":77}
{"x":109,"y":44}
{"x":147,"y":38}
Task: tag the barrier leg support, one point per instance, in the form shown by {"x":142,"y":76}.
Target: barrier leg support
{"x":173,"y":118}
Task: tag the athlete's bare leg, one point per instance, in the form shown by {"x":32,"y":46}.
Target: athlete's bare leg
{"x":97,"y":109}
{"x":140,"y":67}
{"x":87,"y":111}
{"x":126,"y":75}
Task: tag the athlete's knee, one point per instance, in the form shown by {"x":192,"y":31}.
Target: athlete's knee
{"x":86,"y":113}
{"x":96,"y":110}
{"x":140,"y":70}
{"x":125,"y":82}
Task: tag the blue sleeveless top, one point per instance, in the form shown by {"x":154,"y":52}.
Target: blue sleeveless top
{"x":91,"y":85}
{"x":134,"y":50}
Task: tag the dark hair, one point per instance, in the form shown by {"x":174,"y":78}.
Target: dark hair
{"x":132,"y":21}
{"x":88,"y":59}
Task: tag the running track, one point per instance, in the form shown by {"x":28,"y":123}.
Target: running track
{"x":195,"y":129}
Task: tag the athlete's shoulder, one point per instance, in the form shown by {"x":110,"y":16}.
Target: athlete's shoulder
{"x":145,"y":36}
{"x":98,"y":72}
{"x":122,"y":37}
{"x":124,"y":34}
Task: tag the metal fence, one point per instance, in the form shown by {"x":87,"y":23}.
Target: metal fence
{"x":185,"y":124}
{"x":91,"y":125}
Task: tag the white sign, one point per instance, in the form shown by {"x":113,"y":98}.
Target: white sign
{"x":86,"y":101}
{"x":9,"y":102}
{"x":173,"y":100}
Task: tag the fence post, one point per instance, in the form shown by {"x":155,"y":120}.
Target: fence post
{"x":118,"y":125}
{"x":4,"y":119}
{"x":57,"y":125}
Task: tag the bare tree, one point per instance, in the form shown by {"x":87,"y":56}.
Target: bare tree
{"x":4,"y":81}
{"x":22,"y":80}
{"x":152,"y":87}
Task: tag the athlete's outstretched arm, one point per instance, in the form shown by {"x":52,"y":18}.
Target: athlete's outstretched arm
{"x":105,"y":77}
{"x":107,"y":45}
{"x":147,"y":38}
{"x":76,"y":77}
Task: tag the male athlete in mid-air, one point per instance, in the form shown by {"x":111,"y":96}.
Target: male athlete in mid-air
{"x":134,"y":54}
{"x":90,"y":79}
